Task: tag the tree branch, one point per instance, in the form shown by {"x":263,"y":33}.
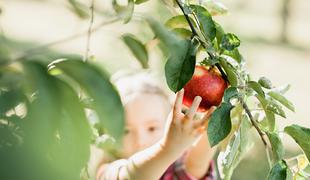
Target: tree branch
{"x":194,"y":33}
{"x":247,"y":110}
{"x":39,"y":48}
{"x":89,"y":30}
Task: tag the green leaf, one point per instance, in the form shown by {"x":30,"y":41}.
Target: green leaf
{"x":274,"y":107}
{"x":95,"y":82}
{"x":302,"y":137}
{"x":230,"y":93}
{"x":206,"y":22}
{"x":277,"y":146}
{"x":256,"y":87}
{"x":175,"y":45}
{"x":72,"y":149}
{"x":278,"y":171}
{"x":79,"y":9}
{"x":137,"y":48}
{"x":269,"y":114}
{"x":235,"y":54}
{"x":180,"y":69}
{"x":124,"y":12}
{"x":219,"y":32}
{"x":230,"y":72}
{"x":44,"y":111}
{"x":140,"y":1}
{"x":215,"y":7}
{"x":219,"y":124}
{"x":183,"y":33}
{"x":280,"y":98}
{"x":178,"y":22}
{"x":239,"y":147}
{"x":230,"y":42}
{"x":264,"y":82}
{"x":9,"y":100}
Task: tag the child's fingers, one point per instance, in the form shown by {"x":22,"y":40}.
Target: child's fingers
{"x":193,"y":109}
{"x":178,"y":102}
{"x":187,"y":121}
{"x":204,"y":120}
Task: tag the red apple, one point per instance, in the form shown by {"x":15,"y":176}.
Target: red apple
{"x":206,"y":83}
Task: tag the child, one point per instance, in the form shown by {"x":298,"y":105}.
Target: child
{"x":153,"y":147}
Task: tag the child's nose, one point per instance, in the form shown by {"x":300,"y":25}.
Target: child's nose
{"x":142,"y":141}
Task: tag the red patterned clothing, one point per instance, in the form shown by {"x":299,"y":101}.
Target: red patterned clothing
{"x":176,"y":171}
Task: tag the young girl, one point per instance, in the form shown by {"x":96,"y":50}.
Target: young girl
{"x":155,"y":148}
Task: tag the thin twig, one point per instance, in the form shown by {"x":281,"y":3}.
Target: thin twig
{"x":268,"y":157}
{"x":247,"y":110}
{"x":89,"y":30}
{"x":39,"y":48}
{"x":196,"y":34}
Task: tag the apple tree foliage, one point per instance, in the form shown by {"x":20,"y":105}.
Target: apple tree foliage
{"x":44,"y":129}
{"x":247,"y":103}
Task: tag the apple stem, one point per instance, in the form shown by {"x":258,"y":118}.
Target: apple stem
{"x":194,"y":33}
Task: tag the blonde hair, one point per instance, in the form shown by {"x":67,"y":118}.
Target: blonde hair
{"x":130,"y":84}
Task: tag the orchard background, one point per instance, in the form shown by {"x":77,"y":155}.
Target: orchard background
{"x":271,"y":47}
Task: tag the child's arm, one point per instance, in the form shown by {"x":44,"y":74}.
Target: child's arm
{"x":204,"y":153}
{"x":181,"y":131}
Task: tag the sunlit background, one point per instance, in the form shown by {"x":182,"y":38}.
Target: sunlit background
{"x":275,"y":39}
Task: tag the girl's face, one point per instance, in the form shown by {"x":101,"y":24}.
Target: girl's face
{"x":145,"y":120}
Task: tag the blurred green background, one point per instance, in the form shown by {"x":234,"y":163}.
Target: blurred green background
{"x":275,"y":43}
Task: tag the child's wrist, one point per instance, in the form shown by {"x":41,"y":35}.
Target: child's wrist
{"x":172,"y":149}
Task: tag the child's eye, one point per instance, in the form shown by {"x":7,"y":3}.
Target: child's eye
{"x":152,"y":129}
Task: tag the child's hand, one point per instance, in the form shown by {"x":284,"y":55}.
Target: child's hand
{"x":182,"y":130}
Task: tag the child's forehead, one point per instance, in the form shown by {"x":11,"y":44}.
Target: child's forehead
{"x":147,"y":109}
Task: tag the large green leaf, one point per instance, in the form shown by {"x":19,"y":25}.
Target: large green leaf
{"x":95,"y":82}
{"x":302,"y":137}
{"x":71,"y":152}
{"x":278,"y":171}
{"x":238,"y":148}
{"x":277,"y":146}
{"x":137,"y":48}
{"x":219,"y":124}
{"x":44,"y":110}
{"x":282,"y":99}
{"x":10,"y":99}
{"x":206,"y":22}
{"x":176,"y":46}
{"x":179,"y":69}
